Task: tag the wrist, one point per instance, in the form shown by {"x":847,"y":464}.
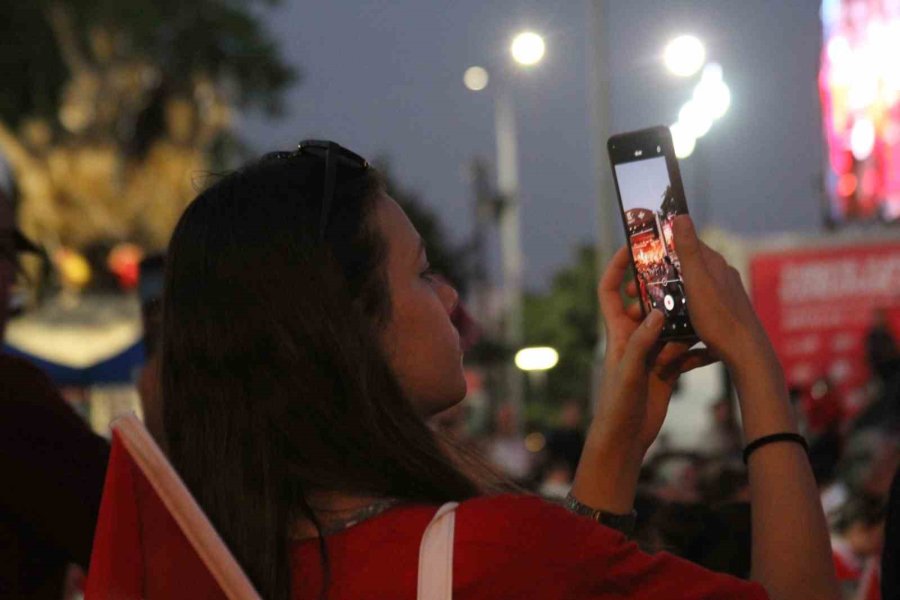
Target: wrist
{"x":607,"y":475}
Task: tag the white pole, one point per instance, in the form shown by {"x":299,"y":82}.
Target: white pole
{"x":510,"y":243}
{"x":607,"y":206}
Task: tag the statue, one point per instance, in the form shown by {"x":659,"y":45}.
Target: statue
{"x":80,"y":183}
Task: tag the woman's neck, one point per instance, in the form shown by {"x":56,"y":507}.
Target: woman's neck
{"x":332,"y":510}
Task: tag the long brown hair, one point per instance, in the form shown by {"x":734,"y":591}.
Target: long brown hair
{"x":273,"y":382}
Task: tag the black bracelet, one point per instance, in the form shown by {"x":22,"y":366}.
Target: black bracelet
{"x":775,"y":437}
{"x":622,"y":523}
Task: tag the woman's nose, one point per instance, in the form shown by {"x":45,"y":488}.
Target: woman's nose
{"x":450,"y":296}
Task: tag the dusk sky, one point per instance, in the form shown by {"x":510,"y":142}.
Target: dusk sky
{"x":642,"y":183}
{"x":385,"y":79}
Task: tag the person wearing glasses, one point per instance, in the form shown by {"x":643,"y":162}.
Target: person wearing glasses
{"x":306,"y":342}
{"x":51,"y":464}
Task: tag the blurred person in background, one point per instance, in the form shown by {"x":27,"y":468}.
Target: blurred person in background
{"x":856,"y":544}
{"x":890,"y":558}
{"x":556,"y":481}
{"x":565,"y":441}
{"x":884,"y":362}
{"x":506,"y":449}
{"x":52,"y":465}
{"x":723,"y":435}
{"x":305,"y":344}
{"x":881,"y":348}
{"x":150,"y":283}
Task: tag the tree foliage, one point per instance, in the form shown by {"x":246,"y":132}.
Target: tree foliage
{"x":565,"y":317}
{"x":222,"y":39}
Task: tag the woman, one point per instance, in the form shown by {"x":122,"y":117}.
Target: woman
{"x":305,"y":343}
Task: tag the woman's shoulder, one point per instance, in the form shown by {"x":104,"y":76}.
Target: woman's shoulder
{"x":529,"y":523}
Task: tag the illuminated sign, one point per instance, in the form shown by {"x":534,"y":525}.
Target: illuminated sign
{"x":859,"y":85}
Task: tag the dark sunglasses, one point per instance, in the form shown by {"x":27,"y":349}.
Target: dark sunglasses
{"x":334,"y":155}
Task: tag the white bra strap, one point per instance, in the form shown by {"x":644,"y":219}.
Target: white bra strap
{"x":436,"y":556}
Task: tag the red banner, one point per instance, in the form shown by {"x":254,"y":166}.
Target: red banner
{"x":818,"y":306}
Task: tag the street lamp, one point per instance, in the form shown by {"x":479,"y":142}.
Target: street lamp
{"x":476,"y":78}
{"x":684,"y":55}
{"x":527,"y":49}
{"x":535,"y":361}
{"x":537,"y":358}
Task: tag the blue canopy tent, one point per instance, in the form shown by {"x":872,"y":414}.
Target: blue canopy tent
{"x":117,"y":369}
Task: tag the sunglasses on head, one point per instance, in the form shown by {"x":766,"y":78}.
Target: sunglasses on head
{"x":334,"y":155}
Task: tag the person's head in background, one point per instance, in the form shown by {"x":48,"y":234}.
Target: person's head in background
{"x":571,"y":415}
{"x":505,"y":420}
{"x":860,"y":523}
{"x":303,"y":346}
{"x":150,"y":286}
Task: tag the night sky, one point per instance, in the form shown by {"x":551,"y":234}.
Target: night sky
{"x":385,"y":79}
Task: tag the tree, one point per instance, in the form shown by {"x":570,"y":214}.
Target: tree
{"x":109,"y":109}
{"x":565,"y":317}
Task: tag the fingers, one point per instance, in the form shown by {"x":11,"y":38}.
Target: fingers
{"x":631,"y":289}
{"x":640,"y":345}
{"x":687,"y":243}
{"x":634,"y":312}
{"x":688,"y":361}
{"x":671,"y":352}
{"x":608,"y":290}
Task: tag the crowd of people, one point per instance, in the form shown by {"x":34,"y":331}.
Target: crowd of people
{"x":300,"y":384}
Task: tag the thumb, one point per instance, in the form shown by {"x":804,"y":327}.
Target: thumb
{"x":641,"y":342}
{"x":687,"y":244}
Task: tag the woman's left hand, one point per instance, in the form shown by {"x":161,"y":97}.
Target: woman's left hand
{"x":634,"y":395}
{"x":639,"y":375}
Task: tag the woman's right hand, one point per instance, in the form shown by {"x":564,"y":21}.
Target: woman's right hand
{"x":720,"y":310}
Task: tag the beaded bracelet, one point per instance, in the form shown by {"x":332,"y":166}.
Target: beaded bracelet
{"x":770,"y":439}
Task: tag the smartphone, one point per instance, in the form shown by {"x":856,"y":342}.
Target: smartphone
{"x":651,"y":195}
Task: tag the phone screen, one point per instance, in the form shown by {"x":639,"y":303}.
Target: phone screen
{"x":650,"y":201}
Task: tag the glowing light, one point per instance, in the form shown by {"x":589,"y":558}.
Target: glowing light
{"x":476,"y":78}
{"x":537,"y":358}
{"x":696,"y":118}
{"x":862,"y":139}
{"x":712,"y":94}
{"x":683,"y":140}
{"x":535,"y":442}
{"x":528,"y":48}
{"x":123,"y":261}
{"x":73,"y":267}
{"x":684,"y":55}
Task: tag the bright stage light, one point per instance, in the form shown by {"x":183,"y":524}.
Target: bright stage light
{"x":684,"y":55}
{"x":528,"y":48}
{"x":476,"y":78}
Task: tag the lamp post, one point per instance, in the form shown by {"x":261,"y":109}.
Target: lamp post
{"x":527,"y":49}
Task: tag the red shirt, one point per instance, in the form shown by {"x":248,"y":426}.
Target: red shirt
{"x":505,"y":547}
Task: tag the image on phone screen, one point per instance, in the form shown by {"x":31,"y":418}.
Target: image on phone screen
{"x":650,"y":205}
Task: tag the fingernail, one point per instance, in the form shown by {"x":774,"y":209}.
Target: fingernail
{"x":654,"y":320}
